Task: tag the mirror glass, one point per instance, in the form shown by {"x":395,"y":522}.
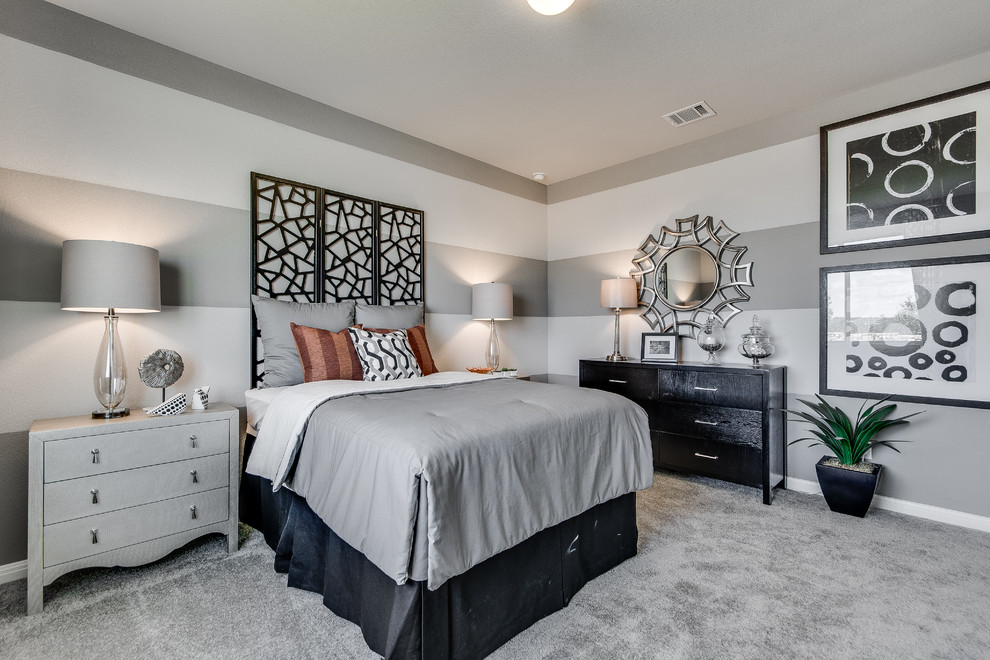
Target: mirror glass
{"x":687,"y":277}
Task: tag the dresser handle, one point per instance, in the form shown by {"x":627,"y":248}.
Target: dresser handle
{"x":194,"y":476}
{"x":192,"y":441}
{"x":96,"y":495}
{"x":192,"y":509}
{"x":95,"y":533}
{"x":714,"y":458}
{"x":701,"y":421}
{"x":707,"y":389}
{"x":620,"y":382}
{"x":96,"y":456}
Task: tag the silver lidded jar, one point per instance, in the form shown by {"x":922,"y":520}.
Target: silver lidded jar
{"x":756,"y":343}
{"x":711,"y":338}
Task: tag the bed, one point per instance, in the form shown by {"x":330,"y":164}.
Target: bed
{"x":442,"y":512}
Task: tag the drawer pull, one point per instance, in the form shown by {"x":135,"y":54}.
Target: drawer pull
{"x":620,"y":382}
{"x":192,"y":441}
{"x":192,"y":510}
{"x":96,"y":495}
{"x":714,"y":458}
{"x":701,"y":421}
{"x":194,"y":476}
{"x":96,"y":456}
{"x":707,"y":389}
{"x":95,"y":533}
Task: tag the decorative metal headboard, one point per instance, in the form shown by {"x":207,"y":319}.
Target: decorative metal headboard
{"x":310,"y":244}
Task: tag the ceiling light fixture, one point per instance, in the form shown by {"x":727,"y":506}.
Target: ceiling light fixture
{"x":550,"y":7}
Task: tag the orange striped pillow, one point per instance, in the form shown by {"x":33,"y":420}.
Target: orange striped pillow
{"x":326,"y":355}
{"x":417,"y":342}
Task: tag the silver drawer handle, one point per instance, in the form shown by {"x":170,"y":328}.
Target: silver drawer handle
{"x":620,"y":382}
{"x":96,"y":495}
{"x":95,"y":533}
{"x":714,"y":458}
{"x":192,"y":509}
{"x":701,"y":421}
{"x":707,"y":389}
{"x":194,"y":476}
{"x":192,"y":441}
{"x":96,"y":456}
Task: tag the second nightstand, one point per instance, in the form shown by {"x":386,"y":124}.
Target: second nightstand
{"x":127,"y":491}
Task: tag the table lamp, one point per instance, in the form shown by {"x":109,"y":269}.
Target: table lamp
{"x":618,"y":294}
{"x":110,"y":277}
{"x":491,"y":302}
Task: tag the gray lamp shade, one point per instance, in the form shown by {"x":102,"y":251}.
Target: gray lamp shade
{"x":619,"y":293}
{"x":100,"y":275}
{"x":491,"y":301}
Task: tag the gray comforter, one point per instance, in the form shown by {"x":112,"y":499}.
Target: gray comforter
{"x":429,"y":482}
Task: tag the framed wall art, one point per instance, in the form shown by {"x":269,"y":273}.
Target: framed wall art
{"x":913,"y":330}
{"x":659,"y":347}
{"x":916,"y":173}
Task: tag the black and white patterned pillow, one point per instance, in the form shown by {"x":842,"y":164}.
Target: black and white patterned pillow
{"x":385,"y":356}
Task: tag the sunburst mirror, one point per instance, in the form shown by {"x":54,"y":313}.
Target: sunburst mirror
{"x":690,"y":273}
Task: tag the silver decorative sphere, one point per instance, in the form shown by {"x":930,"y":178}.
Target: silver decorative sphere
{"x":161,"y":369}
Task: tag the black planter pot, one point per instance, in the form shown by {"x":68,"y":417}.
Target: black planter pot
{"x":847,"y":491}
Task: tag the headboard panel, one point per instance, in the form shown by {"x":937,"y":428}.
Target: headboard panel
{"x":310,"y":244}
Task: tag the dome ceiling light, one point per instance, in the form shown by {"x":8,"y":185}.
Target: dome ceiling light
{"x":550,"y":7}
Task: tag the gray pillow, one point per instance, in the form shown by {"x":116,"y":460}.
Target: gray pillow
{"x":394,"y":317}
{"x":282,"y":364}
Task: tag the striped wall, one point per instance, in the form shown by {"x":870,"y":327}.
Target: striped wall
{"x":770,"y":196}
{"x":91,"y":151}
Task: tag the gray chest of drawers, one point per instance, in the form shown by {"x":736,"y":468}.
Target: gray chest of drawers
{"x":724,"y":422}
{"x":127,"y":491}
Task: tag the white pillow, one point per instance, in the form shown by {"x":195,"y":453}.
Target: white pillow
{"x":385,"y":356}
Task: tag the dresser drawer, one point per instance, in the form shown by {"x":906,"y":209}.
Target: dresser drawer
{"x":711,"y":458}
{"x":732,"y":425}
{"x":99,"y":454}
{"x":636,"y":383}
{"x":73,"y":539}
{"x":74,"y":498}
{"x":712,"y":387}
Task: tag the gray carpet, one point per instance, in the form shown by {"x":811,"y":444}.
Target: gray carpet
{"x":718,"y":575}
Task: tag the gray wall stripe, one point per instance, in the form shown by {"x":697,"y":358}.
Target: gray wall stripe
{"x":450,"y":273}
{"x":205,"y":248}
{"x":64,"y":31}
{"x":781,"y":275}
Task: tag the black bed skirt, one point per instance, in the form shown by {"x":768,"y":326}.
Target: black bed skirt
{"x":472,"y":614}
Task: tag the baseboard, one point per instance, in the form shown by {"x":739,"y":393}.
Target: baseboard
{"x":16,"y":571}
{"x":938,"y":514}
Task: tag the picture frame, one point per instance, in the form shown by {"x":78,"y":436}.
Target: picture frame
{"x":910,"y":330}
{"x":659,"y":347}
{"x":912,"y":174}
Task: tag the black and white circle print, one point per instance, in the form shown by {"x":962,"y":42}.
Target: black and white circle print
{"x":916,"y":173}
{"x":384,"y":356}
{"x":930,"y":338}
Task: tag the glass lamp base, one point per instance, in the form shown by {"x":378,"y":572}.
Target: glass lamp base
{"x":616,"y":357}
{"x":111,"y":414}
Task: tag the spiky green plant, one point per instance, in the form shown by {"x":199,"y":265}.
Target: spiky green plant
{"x":847,"y":439}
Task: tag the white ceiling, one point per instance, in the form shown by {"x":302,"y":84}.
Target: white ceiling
{"x":567,"y":94}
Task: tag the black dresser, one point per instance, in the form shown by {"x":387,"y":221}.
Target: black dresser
{"x":725,"y":422}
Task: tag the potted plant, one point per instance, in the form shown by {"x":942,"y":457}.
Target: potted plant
{"x":847,"y":481}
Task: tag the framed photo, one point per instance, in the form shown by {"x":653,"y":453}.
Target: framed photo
{"x":916,"y":173}
{"x":659,"y":347}
{"x":914,"y":330}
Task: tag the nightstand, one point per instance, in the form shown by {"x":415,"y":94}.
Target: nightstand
{"x":127,"y":491}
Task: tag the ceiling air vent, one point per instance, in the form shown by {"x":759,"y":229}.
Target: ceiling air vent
{"x":692,"y":113}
